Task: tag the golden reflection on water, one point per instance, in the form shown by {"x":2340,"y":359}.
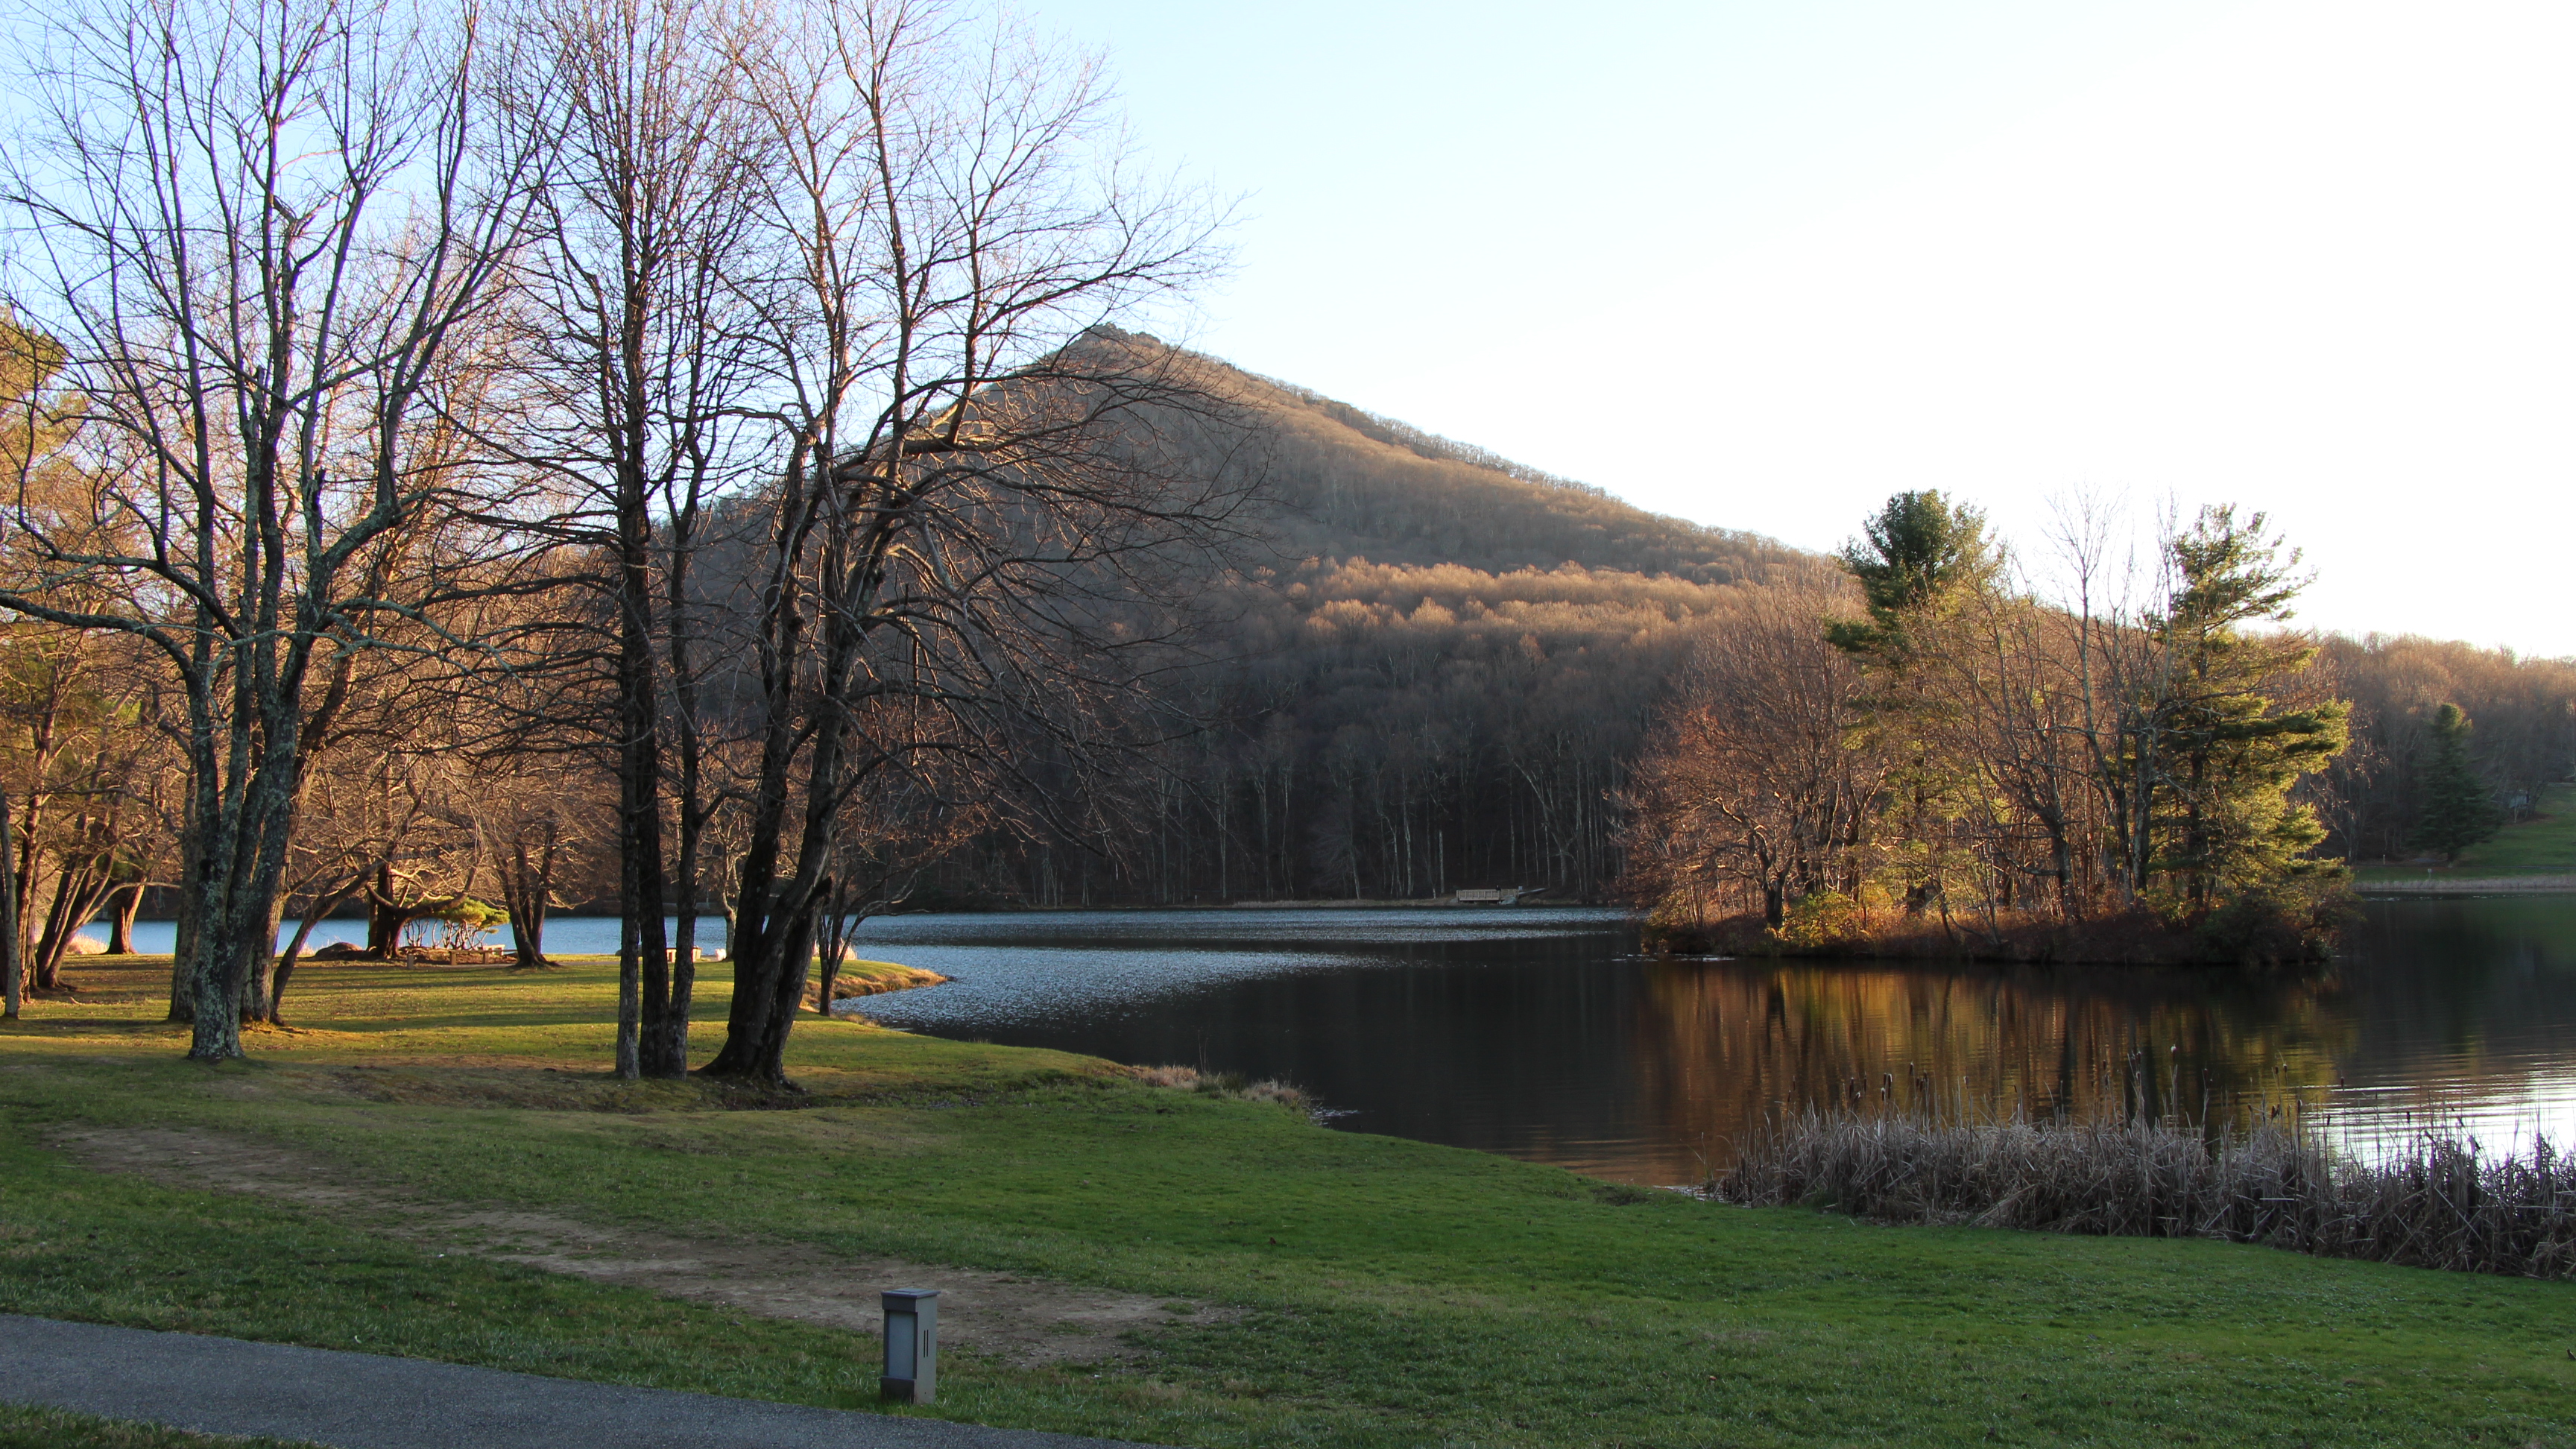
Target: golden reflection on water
{"x":1721,"y":1046}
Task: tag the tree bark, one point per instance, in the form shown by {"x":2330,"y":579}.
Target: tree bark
{"x":527,"y":881}
{"x":13,"y":972}
{"x":643,"y":965}
{"x":123,"y":905}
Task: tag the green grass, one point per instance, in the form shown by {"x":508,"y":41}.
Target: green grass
{"x":26,"y":1427}
{"x":1393,"y":1293}
{"x":866,"y":978}
{"x":2542,"y":845}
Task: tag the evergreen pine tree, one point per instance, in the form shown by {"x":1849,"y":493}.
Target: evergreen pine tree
{"x":2223,"y":755}
{"x":1917,"y":561}
{"x":1914,"y":557}
{"x":2459,"y":810}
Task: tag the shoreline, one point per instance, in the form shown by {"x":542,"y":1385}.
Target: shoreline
{"x":2473,"y":885}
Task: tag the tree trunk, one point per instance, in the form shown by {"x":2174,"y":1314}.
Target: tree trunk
{"x":829,"y":968}
{"x":214,"y":968}
{"x":77,"y":892}
{"x":259,"y":965}
{"x":525,"y":875}
{"x":294,"y":952}
{"x":188,"y":926}
{"x":13,"y":983}
{"x":122,"y":906}
{"x":774,"y":917}
{"x":80,"y":911}
{"x":248,"y":854}
{"x":769,"y":986}
{"x":526,"y":882}
{"x":832,"y":946}
{"x":387,"y":916}
{"x":528,"y":931}
{"x":829,"y":944}
{"x":667,"y":1050}
{"x":643,"y":958}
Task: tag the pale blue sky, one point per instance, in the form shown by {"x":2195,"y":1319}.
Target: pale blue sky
{"x":1761,"y":265}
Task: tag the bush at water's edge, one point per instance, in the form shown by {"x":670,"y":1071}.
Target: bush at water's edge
{"x":2283,"y":927}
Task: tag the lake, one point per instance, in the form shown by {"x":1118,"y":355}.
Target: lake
{"x":1539,"y":1033}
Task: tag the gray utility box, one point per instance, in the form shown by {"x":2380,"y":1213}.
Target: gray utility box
{"x":911,"y":1345}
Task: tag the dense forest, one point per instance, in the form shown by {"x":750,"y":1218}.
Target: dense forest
{"x":2521,"y":716}
{"x":1448,"y":669}
{"x":2142,"y":770}
{"x":1428,"y":670}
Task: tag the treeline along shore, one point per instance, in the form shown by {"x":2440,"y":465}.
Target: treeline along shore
{"x":1961,"y":767}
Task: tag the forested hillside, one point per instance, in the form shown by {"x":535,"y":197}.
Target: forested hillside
{"x":1445,"y":665}
{"x":1347,"y":483}
{"x":1431,"y":672}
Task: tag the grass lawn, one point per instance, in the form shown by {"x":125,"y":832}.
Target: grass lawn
{"x":22,"y":1427}
{"x":1392,"y":1293}
{"x":2542,"y":845}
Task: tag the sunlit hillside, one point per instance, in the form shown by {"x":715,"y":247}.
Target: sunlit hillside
{"x":1431,"y":668}
{"x":1346,"y":482}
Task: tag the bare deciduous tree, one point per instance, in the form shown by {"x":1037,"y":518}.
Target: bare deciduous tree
{"x":638,"y":315}
{"x":971,"y":505}
{"x":1763,"y":777}
{"x":259,"y":230}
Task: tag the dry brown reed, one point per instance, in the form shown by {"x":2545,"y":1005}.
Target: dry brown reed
{"x":2438,"y":1201}
{"x":1225,"y":1084}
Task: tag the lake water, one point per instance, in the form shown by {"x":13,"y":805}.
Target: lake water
{"x":1538,"y":1032}
{"x":565,"y":935}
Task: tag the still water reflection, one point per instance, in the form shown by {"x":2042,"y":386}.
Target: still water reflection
{"x":1539,"y":1033}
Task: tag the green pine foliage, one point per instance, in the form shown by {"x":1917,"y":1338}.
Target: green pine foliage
{"x":2459,"y":810}
{"x":2230,"y":754}
{"x":1913,"y":557}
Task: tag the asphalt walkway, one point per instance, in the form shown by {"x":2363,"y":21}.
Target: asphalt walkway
{"x":369,"y":1401}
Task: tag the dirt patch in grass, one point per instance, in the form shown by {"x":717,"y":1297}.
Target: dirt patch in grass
{"x":1012,"y":1317}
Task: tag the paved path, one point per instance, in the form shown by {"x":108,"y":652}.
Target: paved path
{"x":369,"y":1401}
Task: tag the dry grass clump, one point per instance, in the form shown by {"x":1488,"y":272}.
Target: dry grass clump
{"x":1225,"y":1084}
{"x":856,"y":980}
{"x":2441,"y":1201}
{"x":1274,"y":1091}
